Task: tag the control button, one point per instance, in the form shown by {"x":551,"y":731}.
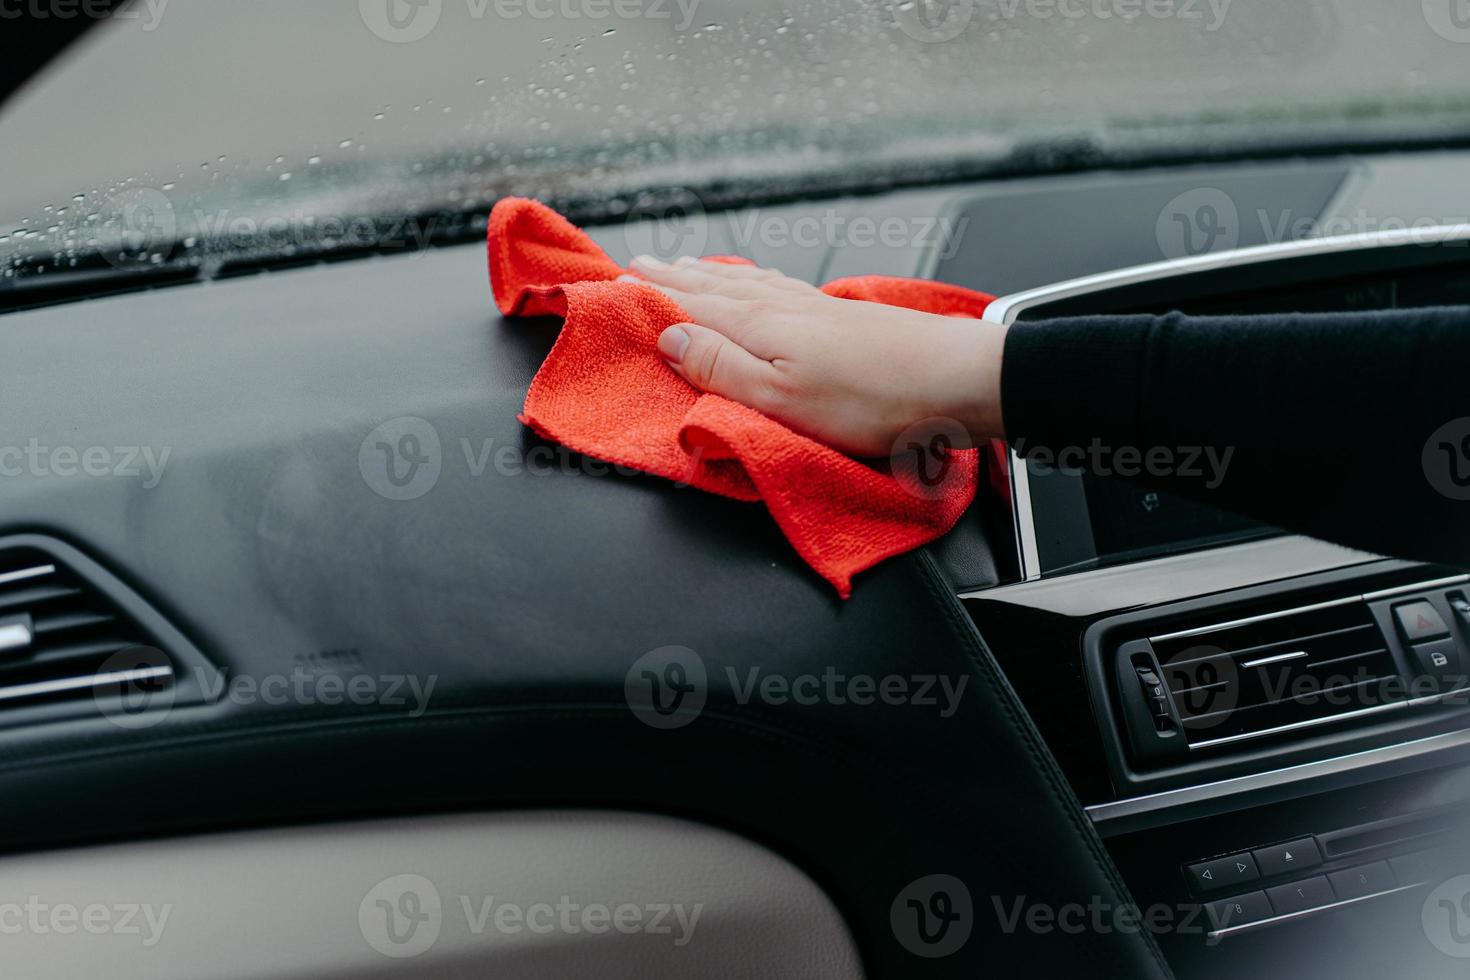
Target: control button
{"x":1461,"y":606}
{"x":1421,"y":867}
{"x":1223,"y":873}
{"x":1237,"y":911}
{"x":1298,"y":855}
{"x":1157,"y":697}
{"x":1419,"y":620}
{"x":1439,"y":659}
{"x":1365,"y":880}
{"x":1297,"y":896}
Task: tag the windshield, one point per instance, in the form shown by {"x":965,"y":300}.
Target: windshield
{"x":188,"y":127}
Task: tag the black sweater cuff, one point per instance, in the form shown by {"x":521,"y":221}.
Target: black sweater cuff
{"x":1065,"y":382}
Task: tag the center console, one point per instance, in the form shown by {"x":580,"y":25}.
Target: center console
{"x":1271,"y":733}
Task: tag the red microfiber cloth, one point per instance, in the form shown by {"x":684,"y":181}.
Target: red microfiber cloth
{"x":605,"y":391}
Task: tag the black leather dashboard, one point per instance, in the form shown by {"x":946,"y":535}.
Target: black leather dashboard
{"x":524,"y":597}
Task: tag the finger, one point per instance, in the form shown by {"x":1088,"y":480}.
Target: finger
{"x":712,"y":362}
{"x":752,"y":273}
{"x":680,"y":274}
{"x":730,"y":317}
{"x":694,"y":277}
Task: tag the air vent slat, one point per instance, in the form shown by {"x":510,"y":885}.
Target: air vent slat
{"x":72,"y":621}
{"x":26,"y":573}
{"x":83,"y":683}
{"x":1257,"y":675}
{"x":39,"y":596}
{"x":81,"y":651}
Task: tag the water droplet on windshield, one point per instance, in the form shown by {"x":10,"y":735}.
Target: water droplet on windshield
{"x":344,"y":144}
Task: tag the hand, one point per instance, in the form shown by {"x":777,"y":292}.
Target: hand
{"x":851,"y":374}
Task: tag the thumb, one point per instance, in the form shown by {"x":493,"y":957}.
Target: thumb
{"x":712,"y":362}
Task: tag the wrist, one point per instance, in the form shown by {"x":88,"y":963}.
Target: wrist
{"x":972,"y":380}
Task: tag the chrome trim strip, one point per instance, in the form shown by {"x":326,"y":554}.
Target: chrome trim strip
{"x":1309,"y":723}
{"x":82,"y":683}
{"x":1248,"y":620}
{"x":1345,"y":600}
{"x":1297,"y":655}
{"x":1214,"y":936}
{"x":1006,"y":309}
{"x":1387,"y":755}
{"x":1030,"y":556}
{"x":27,"y":573}
{"x":16,"y":636}
{"x":1418,"y":587}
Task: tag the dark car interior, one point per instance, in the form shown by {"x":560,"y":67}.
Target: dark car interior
{"x":259,"y":718}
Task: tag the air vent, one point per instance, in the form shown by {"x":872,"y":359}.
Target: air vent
{"x":1277,"y":672}
{"x":74,"y":640}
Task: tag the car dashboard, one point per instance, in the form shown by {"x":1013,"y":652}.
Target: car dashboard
{"x":238,"y":533}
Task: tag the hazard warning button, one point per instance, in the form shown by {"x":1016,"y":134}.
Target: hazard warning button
{"x":1420,"y":621}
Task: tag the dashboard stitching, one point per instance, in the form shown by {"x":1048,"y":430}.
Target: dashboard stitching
{"x":1026,"y":730}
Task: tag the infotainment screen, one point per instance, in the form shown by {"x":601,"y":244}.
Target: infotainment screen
{"x":1078,"y":519}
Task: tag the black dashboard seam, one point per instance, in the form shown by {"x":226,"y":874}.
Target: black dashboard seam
{"x":969,"y":636}
{"x":285,"y":731}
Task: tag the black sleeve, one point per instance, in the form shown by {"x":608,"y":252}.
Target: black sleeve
{"x":1354,"y":428}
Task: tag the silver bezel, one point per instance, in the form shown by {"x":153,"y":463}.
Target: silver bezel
{"x":1007,"y":309}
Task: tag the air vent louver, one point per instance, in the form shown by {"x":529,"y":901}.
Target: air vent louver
{"x":1277,"y":672}
{"x":76,"y":642}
